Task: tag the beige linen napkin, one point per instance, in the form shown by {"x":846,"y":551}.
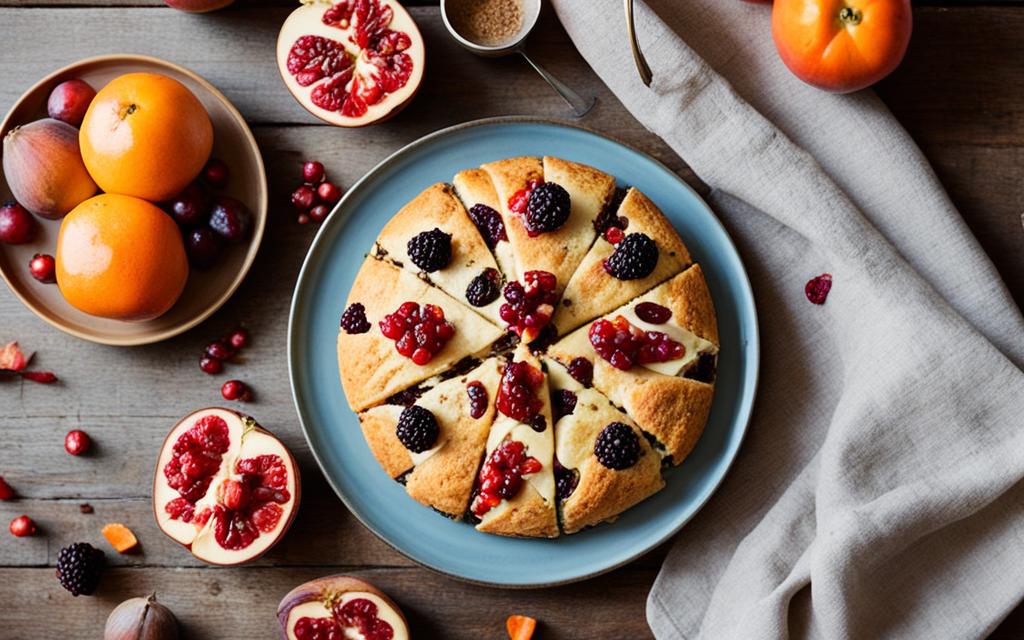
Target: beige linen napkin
{"x":878,"y":492}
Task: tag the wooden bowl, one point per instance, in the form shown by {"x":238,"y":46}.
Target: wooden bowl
{"x":206,"y":290}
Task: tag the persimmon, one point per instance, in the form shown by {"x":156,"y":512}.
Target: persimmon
{"x":841,"y":45}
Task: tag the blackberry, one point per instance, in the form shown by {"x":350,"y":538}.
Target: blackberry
{"x":354,"y":319}
{"x":417,"y":429}
{"x":634,"y":258}
{"x":563,"y":403}
{"x":430,"y":250}
{"x":565,"y":481}
{"x":483,"y":289}
{"x":80,"y":567}
{"x":547,"y":209}
{"x":489,"y":223}
{"x":617,"y":446}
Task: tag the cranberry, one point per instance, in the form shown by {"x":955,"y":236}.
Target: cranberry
{"x":501,"y":476}
{"x":209,"y":365}
{"x":6,"y":492}
{"x":236,"y":390}
{"x":312,"y":172}
{"x":303,"y":198}
{"x":529,"y":306}
{"x":43,"y":268}
{"x":329,"y":192}
{"x":478,"y":400}
{"x":517,"y":393}
{"x":238,"y":339}
{"x":582,"y":371}
{"x":653,"y":312}
{"x":16,"y":224}
{"x":231,"y":219}
{"x":624,"y":345}
{"x":216,"y":174}
{"x":319,"y":213}
{"x":77,"y":442}
{"x":417,"y":335}
{"x":614,"y":235}
{"x":23,"y":526}
{"x":518,"y":201}
{"x":817,"y":289}
{"x":190,"y":207}
{"x":203,"y":247}
{"x":220,"y":350}
{"x":69,"y":101}
{"x":302,"y":218}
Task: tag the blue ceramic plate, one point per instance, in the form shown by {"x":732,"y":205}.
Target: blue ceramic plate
{"x":333,"y":432}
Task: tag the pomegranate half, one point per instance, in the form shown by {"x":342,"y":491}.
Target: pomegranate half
{"x":351,"y":62}
{"x":224,"y":488}
{"x":340,"y":607}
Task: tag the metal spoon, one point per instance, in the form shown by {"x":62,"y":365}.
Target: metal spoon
{"x":517,"y":44}
{"x":638,"y":56}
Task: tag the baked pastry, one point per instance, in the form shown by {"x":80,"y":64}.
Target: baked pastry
{"x":529,"y":349}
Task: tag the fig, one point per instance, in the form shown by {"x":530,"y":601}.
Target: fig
{"x":70,"y":100}
{"x":197,"y":6}
{"x":141,"y":619}
{"x":344,"y":606}
{"x":44,"y":168}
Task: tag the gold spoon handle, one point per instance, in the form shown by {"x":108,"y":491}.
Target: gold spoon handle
{"x":638,"y":56}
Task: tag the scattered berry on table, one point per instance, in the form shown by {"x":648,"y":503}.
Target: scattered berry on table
{"x":319,"y":213}
{"x":817,"y":288}
{"x":80,"y":567}
{"x":417,"y":429}
{"x":303,"y":197}
{"x":617,"y":446}
{"x":547,"y":208}
{"x":328,"y":192}
{"x":483,"y":289}
{"x":635,"y":257}
{"x":236,"y":390}
{"x":220,"y":350}
{"x":238,"y":339}
{"x":6,"y":492}
{"x":489,"y":223}
{"x":430,"y":250}
{"x":209,"y":365}
{"x":43,"y":268}
{"x":353,"y":320}
{"x":312,"y":172}
{"x":23,"y":526}
{"x":77,"y":442}
{"x":302,"y":218}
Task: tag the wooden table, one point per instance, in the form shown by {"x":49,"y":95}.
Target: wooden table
{"x":960,"y":93}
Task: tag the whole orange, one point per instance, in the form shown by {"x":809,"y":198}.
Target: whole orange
{"x":120,"y":257}
{"x":145,"y":135}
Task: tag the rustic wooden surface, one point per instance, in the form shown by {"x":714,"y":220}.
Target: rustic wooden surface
{"x":960,"y":93}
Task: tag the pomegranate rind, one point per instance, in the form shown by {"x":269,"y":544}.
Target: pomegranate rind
{"x":307,"y":21}
{"x":326,"y":591}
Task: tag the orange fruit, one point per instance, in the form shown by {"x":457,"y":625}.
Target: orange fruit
{"x":145,"y":135}
{"x":120,"y":257}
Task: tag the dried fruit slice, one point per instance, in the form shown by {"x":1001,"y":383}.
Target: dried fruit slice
{"x":340,"y":607}
{"x":371,"y":367}
{"x":352,"y":62}
{"x":437,"y":207}
{"x":441,"y":477}
{"x":669,"y":400}
{"x":475,"y":189}
{"x":224,"y":487}
{"x":593,"y":291}
{"x":120,"y":537}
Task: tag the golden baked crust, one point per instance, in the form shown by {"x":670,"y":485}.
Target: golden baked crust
{"x":371,"y":369}
{"x":474,"y":186}
{"x":378,"y":426}
{"x":437,"y":207}
{"x":592,"y":291}
{"x":526,"y":515}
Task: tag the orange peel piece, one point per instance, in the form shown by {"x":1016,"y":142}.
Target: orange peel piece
{"x":120,"y":537}
{"x":520,"y":627}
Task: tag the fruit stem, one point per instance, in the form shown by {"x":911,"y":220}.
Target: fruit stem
{"x":850,"y":16}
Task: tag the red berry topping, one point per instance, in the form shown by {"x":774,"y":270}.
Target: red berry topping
{"x":220,"y":350}
{"x":77,"y":442}
{"x":6,"y":492}
{"x":817,"y":288}
{"x":489,"y":223}
{"x":209,"y":365}
{"x":236,"y":390}
{"x":563,"y":403}
{"x":238,"y":339}
{"x":501,"y":476}
{"x":329,"y":192}
{"x":582,"y":371}
{"x":303,"y":198}
{"x":478,"y":399}
{"x":653,"y":312}
{"x":517,"y":394}
{"x":624,"y":345}
{"x":16,"y":224}
{"x":216,"y":174}
{"x":529,"y":306}
{"x":521,"y":199}
{"x":614,"y":235}
{"x":418,"y":335}
{"x":43,"y":268}
{"x":312,"y":172}
{"x":319,"y":213}
{"x":23,"y":526}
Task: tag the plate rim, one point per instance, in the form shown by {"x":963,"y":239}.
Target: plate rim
{"x":260,"y":212}
{"x":754,"y":346}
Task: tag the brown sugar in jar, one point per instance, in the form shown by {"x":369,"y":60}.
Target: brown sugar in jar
{"x":487,"y":23}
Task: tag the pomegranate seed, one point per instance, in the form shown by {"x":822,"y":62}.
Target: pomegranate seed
{"x":23,"y":526}
{"x":329,"y":192}
{"x":319,"y":213}
{"x":312,"y":172}
{"x":77,"y":442}
{"x":209,"y":365}
{"x":817,"y":289}
{"x":614,"y":235}
{"x":43,"y":268}
{"x":238,"y":339}
{"x":220,"y":350}
{"x":236,"y":390}
{"x":41,"y":377}
{"x":216,"y":174}
{"x":303,"y":197}
{"x":6,"y":492}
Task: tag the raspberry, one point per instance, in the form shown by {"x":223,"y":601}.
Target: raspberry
{"x":547,"y":208}
{"x":817,"y":288}
{"x":354,"y":319}
{"x":624,"y":345}
{"x":634,"y":257}
{"x":80,"y":567}
{"x":483,"y":290}
{"x":489,"y":223}
{"x":417,"y":429}
{"x":430,"y":250}
{"x":617,"y":446}
{"x":519,"y":200}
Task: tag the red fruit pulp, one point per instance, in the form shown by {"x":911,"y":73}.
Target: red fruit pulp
{"x":249,"y":504}
{"x":418,"y":335}
{"x":318,"y":629}
{"x":624,"y":345}
{"x":196,"y":457}
{"x":517,"y":393}
{"x":16,"y":224}
{"x":361,"y":614}
{"x":77,"y":442}
{"x":69,"y":101}
{"x":817,"y":289}
{"x":501,"y":476}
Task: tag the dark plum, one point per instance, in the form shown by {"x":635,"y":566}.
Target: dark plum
{"x":16,"y":224}
{"x":191,"y":207}
{"x":203,"y":247}
{"x":69,"y":101}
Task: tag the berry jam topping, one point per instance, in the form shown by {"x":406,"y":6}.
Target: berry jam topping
{"x":361,"y":614}
{"x":430,"y":250}
{"x":704,"y":370}
{"x":417,"y":334}
{"x":417,"y":429}
{"x":607,"y":218}
{"x":354,"y":319}
{"x":635,"y":257}
{"x":519,"y":201}
{"x":517,"y":394}
{"x":563,"y":403}
{"x":538,"y":423}
{"x":489,"y":223}
{"x":483,"y":289}
{"x":195,"y":459}
{"x":624,"y":345}
{"x":614,"y":235}
{"x":565,"y":481}
{"x":547,"y":208}
{"x":582,"y":371}
{"x":817,"y":288}
{"x":530,"y":305}
{"x":501,"y":476}
{"x":478,"y":399}
{"x":248,"y":504}
{"x":652,"y":312}
{"x":617,"y":446}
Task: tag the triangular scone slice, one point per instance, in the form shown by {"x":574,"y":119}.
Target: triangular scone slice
{"x":437,"y":207}
{"x":560,"y":251}
{"x":592,"y":291}
{"x":474,"y":187}
{"x":371,"y":369}
{"x":671,"y":400}
{"x":600,"y":493}
{"x":441,"y":477}
{"x":531,"y":512}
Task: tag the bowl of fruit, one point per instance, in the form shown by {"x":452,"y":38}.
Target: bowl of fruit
{"x":133,"y":199}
